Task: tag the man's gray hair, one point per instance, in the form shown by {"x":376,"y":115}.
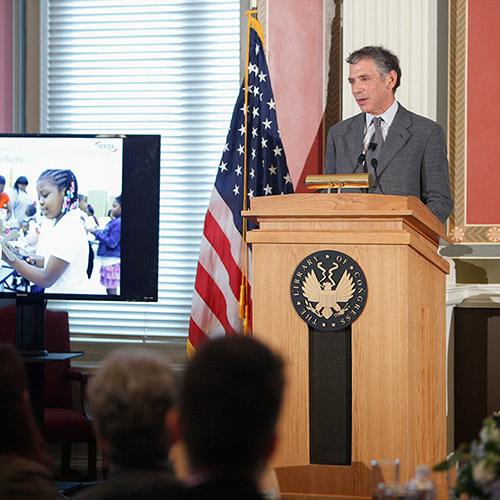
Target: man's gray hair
{"x":129,"y":398}
{"x":385,"y":60}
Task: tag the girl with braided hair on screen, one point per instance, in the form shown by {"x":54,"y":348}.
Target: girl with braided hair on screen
{"x":60,"y":265}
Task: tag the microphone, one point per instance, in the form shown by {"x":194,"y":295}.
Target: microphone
{"x":361,"y":160}
{"x":372,"y":146}
{"x":374,"y":164}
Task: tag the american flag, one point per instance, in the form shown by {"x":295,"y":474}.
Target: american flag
{"x":215,"y":308}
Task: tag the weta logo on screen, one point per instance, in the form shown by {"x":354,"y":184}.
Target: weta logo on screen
{"x":106,"y":146}
{"x":328,"y":290}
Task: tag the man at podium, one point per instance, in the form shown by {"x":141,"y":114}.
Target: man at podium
{"x":404,"y":152}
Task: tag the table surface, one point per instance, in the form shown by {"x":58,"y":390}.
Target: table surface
{"x":51,"y":356}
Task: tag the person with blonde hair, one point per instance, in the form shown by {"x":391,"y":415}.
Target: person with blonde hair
{"x":130,"y":398}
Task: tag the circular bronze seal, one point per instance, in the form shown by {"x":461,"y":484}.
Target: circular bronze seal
{"x":328,"y":290}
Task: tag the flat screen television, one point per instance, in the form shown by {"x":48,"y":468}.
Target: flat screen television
{"x":105,"y":166}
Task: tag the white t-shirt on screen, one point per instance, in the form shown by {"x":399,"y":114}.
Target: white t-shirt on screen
{"x":67,"y":241}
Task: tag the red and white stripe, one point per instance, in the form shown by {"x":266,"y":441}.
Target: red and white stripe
{"x":215,"y":308}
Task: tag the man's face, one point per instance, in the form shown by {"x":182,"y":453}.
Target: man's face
{"x":372,"y":92}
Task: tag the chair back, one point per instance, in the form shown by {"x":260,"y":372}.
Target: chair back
{"x":8,"y":324}
{"x":58,"y":388}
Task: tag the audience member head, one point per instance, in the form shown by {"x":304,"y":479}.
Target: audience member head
{"x":229,"y":404}
{"x":129,"y":398}
{"x":2,"y":183}
{"x":19,"y":434}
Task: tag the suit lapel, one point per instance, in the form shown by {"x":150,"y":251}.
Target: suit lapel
{"x":353,"y":137}
{"x":396,"y":138}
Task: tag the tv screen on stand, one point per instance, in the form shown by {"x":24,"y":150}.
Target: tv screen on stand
{"x":118,"y":177}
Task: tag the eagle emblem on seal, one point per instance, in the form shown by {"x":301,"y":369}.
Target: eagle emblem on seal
{"x":328,"y":290}
{"x":328,"y":295}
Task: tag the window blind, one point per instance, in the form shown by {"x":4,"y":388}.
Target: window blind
{"x":162,"y":67}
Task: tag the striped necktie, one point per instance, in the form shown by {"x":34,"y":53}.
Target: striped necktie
{"x":374,"y":146}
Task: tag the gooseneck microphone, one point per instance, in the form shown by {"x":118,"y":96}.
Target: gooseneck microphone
{"x":372,"y":146}
{"x":374,"y":164}
{"x":361,"y":161}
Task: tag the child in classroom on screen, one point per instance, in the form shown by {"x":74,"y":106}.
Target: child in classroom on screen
{"x":61,"y":259}
{"x":109,"y":248}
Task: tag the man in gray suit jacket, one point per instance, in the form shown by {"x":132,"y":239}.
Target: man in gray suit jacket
{"x":408,"y":155}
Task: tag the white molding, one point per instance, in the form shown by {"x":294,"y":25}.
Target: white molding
{"x":473,"y":296}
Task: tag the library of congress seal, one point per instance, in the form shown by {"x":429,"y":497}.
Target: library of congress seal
{"x":328,"y":290}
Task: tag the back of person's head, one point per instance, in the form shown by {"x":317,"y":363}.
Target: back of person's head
{"x":385,"y":60}
{"x":19,"y":434}
{"x":229,"y":404}
{"x":2,"y":180}
{"x":129,"y":398}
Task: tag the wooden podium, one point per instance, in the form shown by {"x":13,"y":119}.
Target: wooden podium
{"x":398,"y":343}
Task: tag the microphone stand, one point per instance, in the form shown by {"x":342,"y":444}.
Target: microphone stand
{"x":374,"y":164}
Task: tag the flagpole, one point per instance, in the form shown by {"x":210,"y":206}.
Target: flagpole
{"x":244,"y":249}
{"x":243,"y":302}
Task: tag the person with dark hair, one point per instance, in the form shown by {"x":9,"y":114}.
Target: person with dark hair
{"x":62,"y":253}
{"x":130,"y":398}
{"x":33,"y":229}
{"x":5,"y":203}
{"x":109,"y":248}
{"x":20,"y":198}
{"x":88,"y":224}
{"x":24,"y":464}
{"x":30,"y":211}
{"x":91,"y":213}
{"x":229,"y":404}
{"x":404,"y":152}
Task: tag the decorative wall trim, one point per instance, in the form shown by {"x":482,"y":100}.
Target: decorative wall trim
{"x":457,"y":123}
{"x":333,"y":58}
{"x":460,"y":232}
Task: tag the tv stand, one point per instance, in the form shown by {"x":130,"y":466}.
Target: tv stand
{"x":30,"y":338}
{"x":30,"y":342}
{"x":30,"y":323}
